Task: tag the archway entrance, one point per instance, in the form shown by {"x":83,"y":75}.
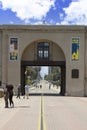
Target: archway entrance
{"x":44,"y":53}
{"x":50,"y":63}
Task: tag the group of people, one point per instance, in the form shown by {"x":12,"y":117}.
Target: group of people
{"x":26,"y":91}
{"x":8,"y":94}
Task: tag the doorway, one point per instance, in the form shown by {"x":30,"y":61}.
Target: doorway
{"x":60,"y":64}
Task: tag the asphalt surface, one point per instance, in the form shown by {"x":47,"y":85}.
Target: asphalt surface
{"x":45,"y":113}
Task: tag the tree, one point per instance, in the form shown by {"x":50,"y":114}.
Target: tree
{"x":32,"y":73}
{"x":54,"y":76}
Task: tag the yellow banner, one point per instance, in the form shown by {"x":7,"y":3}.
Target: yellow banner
{"x":75,"y":48}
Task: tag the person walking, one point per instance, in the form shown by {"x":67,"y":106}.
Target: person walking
{"x":19,"y":91}
{"x":11,"y":95}
{"x":26,"y":91}
{"x":6,"y":95}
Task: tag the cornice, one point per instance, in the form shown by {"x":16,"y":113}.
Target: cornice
{"x":43,"y":28}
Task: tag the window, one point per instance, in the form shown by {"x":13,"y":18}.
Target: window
{"x":75,"y":73}
{"x":43,"y":51}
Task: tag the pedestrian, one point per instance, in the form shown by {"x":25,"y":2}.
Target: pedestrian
{"x":26,"y":91}
{"x":49,"y":85}
{"x":19,"y":91}
{"x":40,"y":86}
{"x":11,"y":95}
{"x":6,"y":96}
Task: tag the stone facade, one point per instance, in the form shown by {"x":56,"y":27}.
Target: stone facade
{"x":60,"y":39}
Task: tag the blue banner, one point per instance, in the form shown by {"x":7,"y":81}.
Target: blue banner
{"x":75,"y":48}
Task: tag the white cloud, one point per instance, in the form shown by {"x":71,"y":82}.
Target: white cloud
{"x":76,"y":13}
{"x":11,"y":22}
{"x":28,"y":9}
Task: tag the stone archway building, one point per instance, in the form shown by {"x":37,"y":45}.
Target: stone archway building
{"x":68,"y":44}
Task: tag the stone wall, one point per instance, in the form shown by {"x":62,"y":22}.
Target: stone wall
{"x":1,"y":93}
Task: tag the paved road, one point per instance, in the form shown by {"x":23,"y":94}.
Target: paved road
{"x":45,"y":88}
{"x":45,"y":113}
{"x":66,"y":113}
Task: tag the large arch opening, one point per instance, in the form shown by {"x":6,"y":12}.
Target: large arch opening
{"x":44,"y":53}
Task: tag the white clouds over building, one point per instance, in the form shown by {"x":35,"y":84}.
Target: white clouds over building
{"x":28,"y":9}
{"x":76,"y":13}
{"x":61,"y":12}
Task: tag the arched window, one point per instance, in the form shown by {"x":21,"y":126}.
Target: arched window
{"x":43,"y":51}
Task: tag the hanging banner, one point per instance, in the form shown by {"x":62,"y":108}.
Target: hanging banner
{"x":13,"y":49}
{"x":75,"y":48}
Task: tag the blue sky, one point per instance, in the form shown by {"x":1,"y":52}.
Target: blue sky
{"x":54,"y":12}
{"x":44,"y":71}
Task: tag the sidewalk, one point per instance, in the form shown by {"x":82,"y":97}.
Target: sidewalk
{"x":24,"y":115}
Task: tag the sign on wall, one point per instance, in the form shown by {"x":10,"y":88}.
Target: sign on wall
{"x":13,"y":49}
{"x":75,"y":48}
